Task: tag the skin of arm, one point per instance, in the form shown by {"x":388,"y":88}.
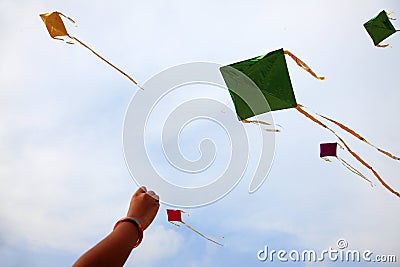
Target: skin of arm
{"x":115,"y":248}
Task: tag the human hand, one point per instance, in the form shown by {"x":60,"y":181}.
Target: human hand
{"x":144,"y":206}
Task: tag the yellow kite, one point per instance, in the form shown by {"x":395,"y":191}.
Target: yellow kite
{"x":56,"y":29}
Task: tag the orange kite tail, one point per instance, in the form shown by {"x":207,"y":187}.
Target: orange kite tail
{"x":303,"y":65}
{"x":262,"y":123}
{"x":357,"y":157}
{"x":358,"y":136}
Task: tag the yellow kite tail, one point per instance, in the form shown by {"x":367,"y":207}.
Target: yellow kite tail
{"x":303,"y":65}
{"x":357,"y":157}
{"x":390,"y":13}
{"x":68,"y":18}
{"x":326,"y":159}
{"x":105,"y":60}
{"x":358,"y":136}
{"x":197,"y":232}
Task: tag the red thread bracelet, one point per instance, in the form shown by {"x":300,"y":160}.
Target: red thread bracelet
{"x":135,"y":222}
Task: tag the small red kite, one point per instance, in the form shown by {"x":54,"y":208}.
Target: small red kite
{"x":330,"y":150}
{"x":176,"y":216}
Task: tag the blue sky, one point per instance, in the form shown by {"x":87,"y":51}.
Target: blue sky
{"x":63,"y":177}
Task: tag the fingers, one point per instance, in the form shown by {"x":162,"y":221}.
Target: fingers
{"x":151,"y":193}
{"x":144,"y":206}
{"x":154,"y":195}
{"x":142,"y":189}
{"x":157,"y":198}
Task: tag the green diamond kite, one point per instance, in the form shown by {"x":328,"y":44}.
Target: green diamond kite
{"x":266,"y":73}
{"x":262,"y":84}
{"x":270,"y":74}
{"x":379,"y":28}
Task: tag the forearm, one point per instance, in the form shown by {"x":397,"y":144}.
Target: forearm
{"x":113,"y":250}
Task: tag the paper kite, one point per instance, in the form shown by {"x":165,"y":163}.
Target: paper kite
{"x":328,"y":150}
{"x":175,"y":216}
{"x":269,"y":74}
{"x":379,"y":28}
{"x":56,"y":28}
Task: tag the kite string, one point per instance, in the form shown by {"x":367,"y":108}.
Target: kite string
{"x":105,"y":60}
{"x":357,"y":157}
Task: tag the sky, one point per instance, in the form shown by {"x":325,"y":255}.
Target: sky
{"x":63,"y":177}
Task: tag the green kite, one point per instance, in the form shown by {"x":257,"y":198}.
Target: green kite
{"x":379,"y":28}
{"x":267,"y":77}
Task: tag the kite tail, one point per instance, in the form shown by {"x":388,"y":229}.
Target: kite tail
{"x":263,"y":123}
{"x":354,"y":170}
{"x":68,"y":18}
{"x":374,"y":172}
{"x":175,"y":224}
{"x":358,"y":136}
{"x":390,"y":13}
{"x":197,"y":232}
{"x":303,"y":65}
{"x":357,"y":157}
{"x":300,"y":109}
{"x":105,"y":60}
{"x":62,"y":39}
{"x":382,"y":45}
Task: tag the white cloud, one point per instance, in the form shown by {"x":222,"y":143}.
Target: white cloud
{"x":160,"y":246}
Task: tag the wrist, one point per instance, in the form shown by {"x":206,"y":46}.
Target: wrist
{"x":137,"y":225}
